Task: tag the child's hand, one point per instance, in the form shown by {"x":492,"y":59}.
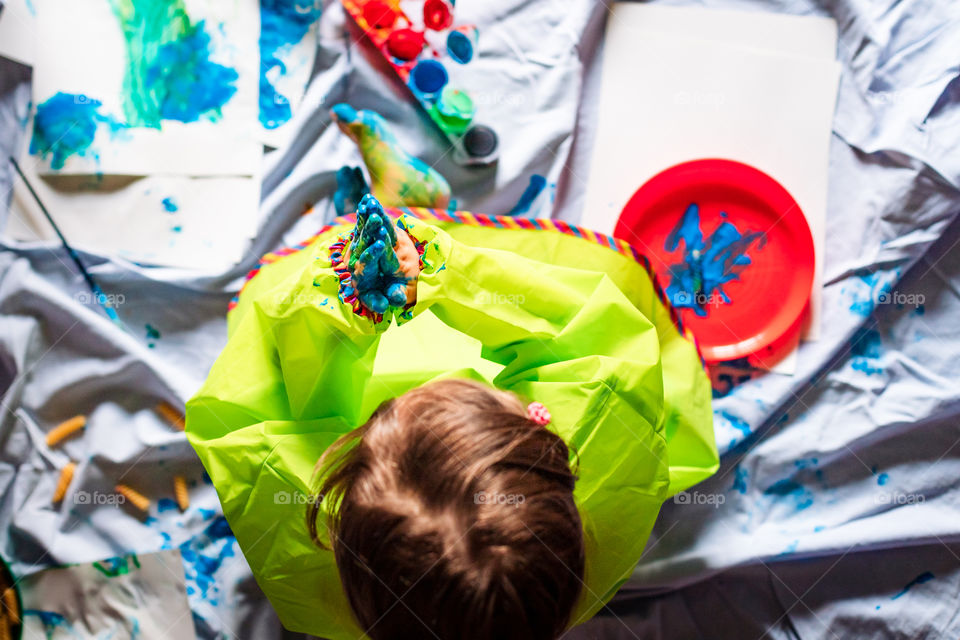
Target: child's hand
{"x":384,"y":264}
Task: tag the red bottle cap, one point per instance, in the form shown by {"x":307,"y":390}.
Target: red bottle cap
{"x":437,"y":14}
{"x":379,"y":15}
{"x":405,"y":44}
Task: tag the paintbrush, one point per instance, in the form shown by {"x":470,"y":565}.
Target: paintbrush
{"x":98,"y":294}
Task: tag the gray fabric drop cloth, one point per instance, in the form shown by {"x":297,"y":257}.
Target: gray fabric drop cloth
{"x":840,"y":515}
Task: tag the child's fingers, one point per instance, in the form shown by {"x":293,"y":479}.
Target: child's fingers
{"x":397,"y":294}
{"x":389,"y":263}
{"x":370,"y":258}
{"x":367,"y":275}
{"x":375,"y":301}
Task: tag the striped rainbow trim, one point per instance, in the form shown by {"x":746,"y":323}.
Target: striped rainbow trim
{"x":498,"y":222}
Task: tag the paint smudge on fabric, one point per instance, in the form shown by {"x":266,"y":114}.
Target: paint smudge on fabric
{"x":283,"y":23}
{"x":152,"y":335}
{"x":740,"y":477}
{"x":114,"y":567}
{"x":790,"y":548}
{"x":203,"y":555}
{"x":869,"y":289}
{"x":66,"y":125}
{"x":170,"y":74}
{"x":787,"y":488}
{"x":529,"y":196}
{"x":923,"y":578}
{"x":199,"y":567}
{"x":883,"y":479}
{"x":866,"y":351}
{"x":730,"y":428}
{"x":707,"y":264}
{"x":51,"y":621}
{"x":170,"y":205}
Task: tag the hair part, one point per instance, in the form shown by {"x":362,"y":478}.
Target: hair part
{"x":453,"y":517}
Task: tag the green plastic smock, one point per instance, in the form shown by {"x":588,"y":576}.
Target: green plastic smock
{"x":551,"y":317}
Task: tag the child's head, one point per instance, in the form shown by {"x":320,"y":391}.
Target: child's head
{"x":454,"y":512}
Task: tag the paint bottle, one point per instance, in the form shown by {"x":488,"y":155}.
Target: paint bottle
{"x":405,"y":44}
{"x":428,"y":78}
{"x":480,"y":141}
{"x":454,"y":110}
{"x":438,"y":14}
{"x":379,"y":14}
{"x":462,"y":43}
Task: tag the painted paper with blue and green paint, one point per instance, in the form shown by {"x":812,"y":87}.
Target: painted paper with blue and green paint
{"x":284,"y":63}
{"x":175,"y":64}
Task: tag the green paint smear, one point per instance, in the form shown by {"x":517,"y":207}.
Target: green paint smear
{"x":114,"y":567}
{"x":169,"y":72}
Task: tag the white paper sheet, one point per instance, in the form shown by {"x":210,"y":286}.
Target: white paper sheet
{"x":18,"y":31}
{"x":717,"y":90}
{"x":131,"y":597}
{"x":84,"y":53}
{"x":192,"y":223}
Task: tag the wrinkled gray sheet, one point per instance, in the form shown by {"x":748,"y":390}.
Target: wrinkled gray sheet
{"x":839,"y":514}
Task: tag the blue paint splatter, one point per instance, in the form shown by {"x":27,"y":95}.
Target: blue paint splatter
{"x":529,"y":196}
{"x":283,"y":23}
{"x":790,"y":548}
{"x":878,"y":287}
{"x":736,"y":422}
{"x":176,"y":228}
{"x":66,"y":125}
{"x":818,"y":528}
{"x":883,"y":479}
{"x":740,"y":477}
{"x":187,"y":84}
{"x":152,"y":335}
{"x":920,"y":310}
{"x":802,"y":497}
{"x":51,"y":621}
{"x":166,"y":504}
{"x":806,"y":463}
{"x":924,"y":577}
{"x":170,"y":205}
{"x":199,"y":568}
{"x":866,"y":350}
{"x":707,"y":265}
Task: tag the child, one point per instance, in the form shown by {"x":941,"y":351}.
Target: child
{"x":442,"y":506}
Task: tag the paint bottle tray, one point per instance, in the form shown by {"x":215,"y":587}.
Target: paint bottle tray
{"x":435,"y":78}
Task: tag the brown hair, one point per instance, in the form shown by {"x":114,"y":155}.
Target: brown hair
{"x":453,"y":517}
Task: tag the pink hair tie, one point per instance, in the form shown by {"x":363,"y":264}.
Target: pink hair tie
{"x":538,"y":413}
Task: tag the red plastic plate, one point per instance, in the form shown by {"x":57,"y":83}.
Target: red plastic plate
{"x":768,"y":273}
